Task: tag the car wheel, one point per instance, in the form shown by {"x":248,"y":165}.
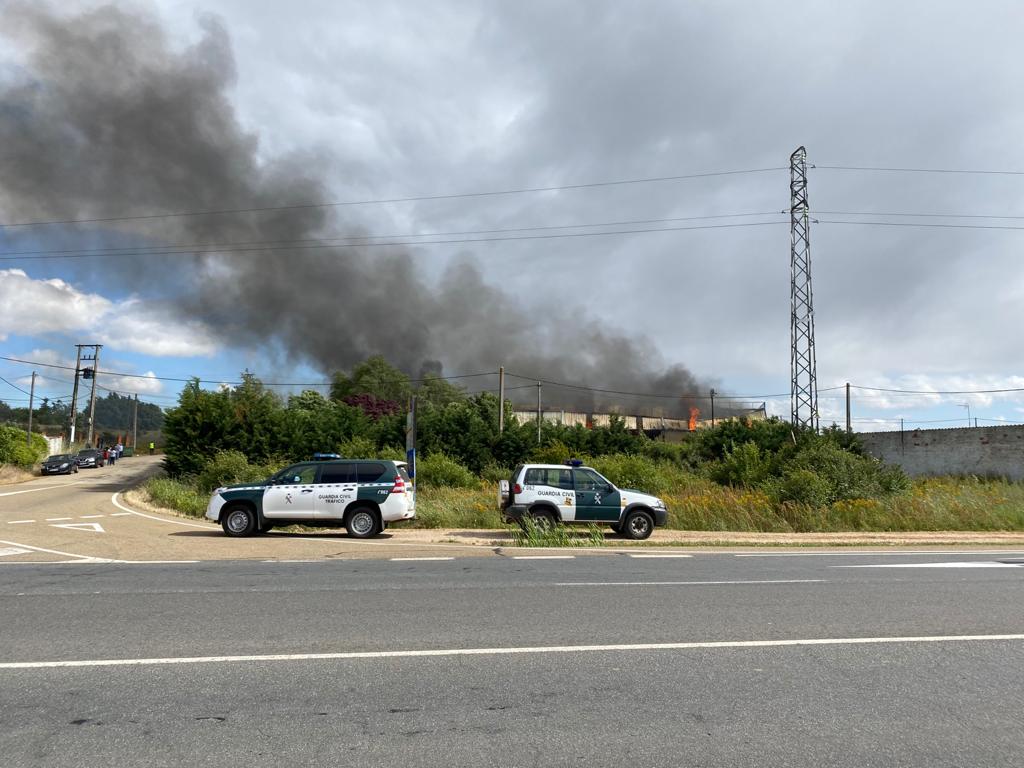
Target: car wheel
{"x":637,"y":525}
{"x":544,"y":519}
{"x":361,"y":523}
{"x":239,"y":521}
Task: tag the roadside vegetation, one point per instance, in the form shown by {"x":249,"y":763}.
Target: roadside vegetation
{"x":740,"y":476}
{"x":16,"y":451}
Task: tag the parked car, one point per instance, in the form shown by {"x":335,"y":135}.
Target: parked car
{"x":362,"y":495}
{"x":90,"y":457}
{"x":60,"y":464}
{"x":571,"y":493}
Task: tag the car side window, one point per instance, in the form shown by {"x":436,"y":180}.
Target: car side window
{"x":334,"y":474}
{"x":588,"y":480}
{"x":370,"y":472}
{"x":551,"y":478}
{"x":302,"y":474}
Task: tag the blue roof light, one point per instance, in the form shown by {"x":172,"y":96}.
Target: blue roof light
{"x":575,"y":462}
{"x":325,"y":456}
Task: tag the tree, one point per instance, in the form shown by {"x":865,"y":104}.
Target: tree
{"x":374,"y":376}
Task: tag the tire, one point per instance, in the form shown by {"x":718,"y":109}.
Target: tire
{"x":362,"y":523}
{"x":637,"y":525}
{"x":239,"y":521}
{"x":266,"y":527}
{"x":544,"y":518}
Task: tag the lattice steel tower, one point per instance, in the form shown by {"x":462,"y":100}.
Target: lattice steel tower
{"x":802,"y":362}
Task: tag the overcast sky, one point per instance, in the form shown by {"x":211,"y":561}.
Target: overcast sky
{"x":397,"y":99}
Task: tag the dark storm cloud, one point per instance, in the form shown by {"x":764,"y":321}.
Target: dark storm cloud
{"x":108,"y":119}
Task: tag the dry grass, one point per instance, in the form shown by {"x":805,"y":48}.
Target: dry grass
{"x":10,"y":475}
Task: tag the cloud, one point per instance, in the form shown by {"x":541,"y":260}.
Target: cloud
{"x":32,"y":307}
{"x":56,"y":379}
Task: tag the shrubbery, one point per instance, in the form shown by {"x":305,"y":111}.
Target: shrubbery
{"x":14,"y":448}
{"x":437,"y":469}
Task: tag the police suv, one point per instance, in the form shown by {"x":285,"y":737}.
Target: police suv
{"x":362,"y":495}
{"x":572,"y":493}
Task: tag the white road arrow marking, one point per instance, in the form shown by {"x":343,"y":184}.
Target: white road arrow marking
{"x":94,"y":527}
{"x":8,"y":551}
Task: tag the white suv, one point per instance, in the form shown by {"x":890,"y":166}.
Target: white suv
{"x":571,"y":493}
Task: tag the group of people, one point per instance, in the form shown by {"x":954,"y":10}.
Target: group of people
{"x":112,"y":453}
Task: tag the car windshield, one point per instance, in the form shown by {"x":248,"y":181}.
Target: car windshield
{"x":59,"y":457}
{"x":86,"y":452}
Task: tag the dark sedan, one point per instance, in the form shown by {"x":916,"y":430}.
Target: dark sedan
{"x":90,"y":457}
{"x":60,"y":464}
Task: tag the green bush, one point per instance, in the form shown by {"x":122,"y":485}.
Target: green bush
{"x":229,"y":468}
{"x":439,"y":470}
{"x":177,"y":495}
{"x":14,"y":449}
{"x":641,"y":473}
{"x":555,"y":452}
{"x":744,"y":466}
{"x":801,"y":486}
{"x":493,"y":473}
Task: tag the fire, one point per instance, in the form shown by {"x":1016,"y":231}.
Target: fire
{"x":694,"y":415}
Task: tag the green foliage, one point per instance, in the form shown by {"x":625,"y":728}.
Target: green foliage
{"x":555,"y":452}
{"x":530,"y":533}
{"x":178,"y":495}
{"x":492,"y":474}
{"x":230,"y":468}
{"x":744,"y":466}
{"x":374,"y":376}
{"x":802,"y":486}
{"x":14,"y":448}
{"x":439,"y":469}
{"x":640,"y":473}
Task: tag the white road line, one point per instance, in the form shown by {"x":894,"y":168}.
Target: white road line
{"x":8,"y":551}
{"x":93,"y":527}
{"x":682,"y":583}
{"x":863,"y":553}
{"x":416,"y":559}
{"x":544,"y":557}
{"x":442,"y":652}
{"x":90,"y":517}
{"x":82,"y":558}
{"x":44,"y":488}
{"x":19,"y":522}
{"x":130,"y":511}
{"x":121,"y":514}
{"x":55,"y":519}
{"x":294,"y":561}
{"x":658,"y":557}
{"x":968,"y":564}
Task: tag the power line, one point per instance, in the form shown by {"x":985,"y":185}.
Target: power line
{"x":15,"y":386}
{"x":918,"y":215}
{"x":326,"y":241}
{"x":937,"y":392}
{"x":455,"y":196}
{"x":394,"y":243}
{"x":916,"y":170}
{"x":916,"y":224}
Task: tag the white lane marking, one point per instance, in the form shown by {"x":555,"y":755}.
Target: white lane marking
{"x":94,"y":527}
{"x":544,"y":557}
{"x":968,"y":564}
{"x":19,"y":522}
{"x":54,"y":519}
{"x":435,"y":652}
{"x":43,"y":488}
{"x":682,"y":583}
{"x":121,"y":514}
{"x":659,"y":557}
{"x":863,"y":553}
{"x":416,"y":559}
{"x":82,"y":558}
{"x":8,"y":551}
{"x":130,"y":511}
{"x":154,"y":562}
{"x":294,"y":561}
{"x":89,"y":517}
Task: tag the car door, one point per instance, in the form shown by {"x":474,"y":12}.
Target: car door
{"x":554,"y":485}
{"x":336,"y":488}
{"x":597,"y":499}
{"x":293,"y":494}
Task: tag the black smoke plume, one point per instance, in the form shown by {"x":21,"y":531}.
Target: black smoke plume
{"x":108,"y":119}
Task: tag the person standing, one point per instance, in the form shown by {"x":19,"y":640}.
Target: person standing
{"x":106,"y":456}
{"x":113,"y":456}
{"x":152,"y":447}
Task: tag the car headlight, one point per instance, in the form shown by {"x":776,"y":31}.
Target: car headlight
{"x":65,"y":465}
{"x":659,"y":504}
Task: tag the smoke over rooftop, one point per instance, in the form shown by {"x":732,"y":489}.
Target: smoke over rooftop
{"x":109,"y":119}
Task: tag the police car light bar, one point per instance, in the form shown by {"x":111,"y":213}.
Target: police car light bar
{"x":574,"y":462}
{"x":325,"y":456}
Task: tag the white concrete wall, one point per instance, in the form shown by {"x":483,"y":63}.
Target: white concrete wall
{"x":981,"y":451}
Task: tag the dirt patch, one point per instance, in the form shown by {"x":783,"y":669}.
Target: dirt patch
{"x":11,"y":475}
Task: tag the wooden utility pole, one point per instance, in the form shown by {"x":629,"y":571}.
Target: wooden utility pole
{"x":31,"y":400}
{"x":501,"y":400}
{"x":713,"y":393}
{"x":92,"y":393}
{"x":849,"y":427}
{"x":74,"y":398}
{"x":135,"y":425}
{"x":539,"y":413}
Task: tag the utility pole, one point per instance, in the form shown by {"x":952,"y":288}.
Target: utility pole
{"x":74,"y":398}
{"x":501,"y":399}
{"x":539,"y":413}
{"x":31,"y":400}
{"x":95,"y":358}
{"x":713,"y":393}
{"x":802,"y":358}
{"x":848,"y":419}
{"x":135,"y":425}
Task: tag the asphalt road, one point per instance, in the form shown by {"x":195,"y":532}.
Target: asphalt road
{"x":498,"y":661}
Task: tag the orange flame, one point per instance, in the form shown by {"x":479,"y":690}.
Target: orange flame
{"x":694,"y":415}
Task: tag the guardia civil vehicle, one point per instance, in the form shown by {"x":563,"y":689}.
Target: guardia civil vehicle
{"x":361,"y":495}
{"x":572,"y":493}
